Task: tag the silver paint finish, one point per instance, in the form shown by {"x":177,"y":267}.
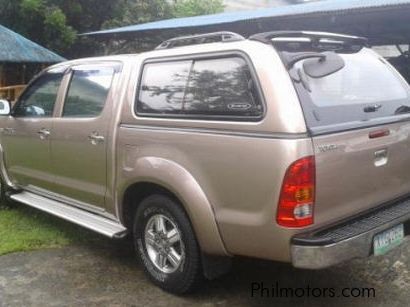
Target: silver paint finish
{"x":361,"y":173}
{"x":79,"y":150}
{"x":83,"y":218}
{"x":27,"y":152}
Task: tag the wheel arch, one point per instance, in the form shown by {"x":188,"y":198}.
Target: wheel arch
{"x":161,"y":176}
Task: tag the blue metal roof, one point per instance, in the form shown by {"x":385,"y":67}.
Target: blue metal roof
{"x":321,"y":7}
{"x":18,"y":49}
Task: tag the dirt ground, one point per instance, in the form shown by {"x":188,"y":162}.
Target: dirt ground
{"x":107,"y":275}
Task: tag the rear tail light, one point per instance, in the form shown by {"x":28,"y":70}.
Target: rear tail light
{"x":297,"y":197}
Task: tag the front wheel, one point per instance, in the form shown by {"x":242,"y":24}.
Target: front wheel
{"x":166,"y":244}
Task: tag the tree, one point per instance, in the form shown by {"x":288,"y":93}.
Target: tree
{"x":184,"y":8}
{"x":139,"y":11}
{"x":142,"y":11}
{"x":39,"y":20}
{"x":56,"y":23}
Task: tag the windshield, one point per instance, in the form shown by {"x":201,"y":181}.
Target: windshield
{"x":366,"y":88}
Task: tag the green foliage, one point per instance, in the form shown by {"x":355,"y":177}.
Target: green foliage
{"x":40,"y":20}
{"x":142,"y":11}
{"x":137,"y":11}
{"x":56,"y":23}
{"x":30,"y":6}
{"x":57,"y":30}
{"x":24,"y":229}
{"x":185,"y":8}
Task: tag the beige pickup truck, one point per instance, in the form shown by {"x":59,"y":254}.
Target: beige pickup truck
{"x":287,"y":146}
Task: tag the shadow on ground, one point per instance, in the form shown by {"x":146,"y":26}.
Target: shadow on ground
{"x":104,"y":273}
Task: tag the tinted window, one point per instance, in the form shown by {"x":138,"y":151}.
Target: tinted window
{"x":221,"y":87}
{"x":40,"y":97}
{"x":214,"y":87}
{"x":163,"y":87}
{"x":346,"y":96}
{"x":87,"y":92}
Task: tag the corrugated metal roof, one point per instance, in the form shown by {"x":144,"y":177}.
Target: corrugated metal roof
{"x":18,"y":49}
{"x":321,"y":7}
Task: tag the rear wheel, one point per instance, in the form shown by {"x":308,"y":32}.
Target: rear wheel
{"x":166,"y":244}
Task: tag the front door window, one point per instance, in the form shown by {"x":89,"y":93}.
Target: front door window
{"x":39,"y":99}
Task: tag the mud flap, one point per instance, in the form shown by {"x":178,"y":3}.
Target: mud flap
{"x":215,"y":266}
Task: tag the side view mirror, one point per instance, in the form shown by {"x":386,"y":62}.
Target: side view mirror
{"x":5,"y":107}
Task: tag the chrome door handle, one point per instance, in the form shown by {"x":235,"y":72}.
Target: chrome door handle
{"x":381,"y":157}
{"x":44,"y":133}
{"x":95,"y":138}
{"x":8,"y":130}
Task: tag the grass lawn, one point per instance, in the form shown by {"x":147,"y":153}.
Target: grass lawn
{"x":24,"y":229}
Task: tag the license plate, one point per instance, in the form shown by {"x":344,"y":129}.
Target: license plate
{"x":387,"y":240}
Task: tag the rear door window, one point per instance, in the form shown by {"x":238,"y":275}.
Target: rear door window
{"x":218,"y":88}
{"x":88,"y":91}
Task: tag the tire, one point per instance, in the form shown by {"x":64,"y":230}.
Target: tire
{"x":173,"y":263}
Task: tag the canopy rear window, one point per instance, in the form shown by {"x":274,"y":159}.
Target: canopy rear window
{"x":366,"y":88}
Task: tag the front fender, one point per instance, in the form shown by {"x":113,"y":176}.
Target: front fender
{"x":179,"y":181}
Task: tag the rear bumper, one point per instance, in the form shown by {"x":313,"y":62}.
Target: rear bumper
{"x":351,"y":239}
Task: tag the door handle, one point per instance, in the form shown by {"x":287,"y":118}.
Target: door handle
{"x":44,"y":133}
{"x":95,"y":138}
{"x":8,"y":130}
{"x":380,"y":157}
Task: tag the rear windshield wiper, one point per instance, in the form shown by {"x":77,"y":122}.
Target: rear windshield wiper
{"x":291,"y":59}
{"x":327,"y":63}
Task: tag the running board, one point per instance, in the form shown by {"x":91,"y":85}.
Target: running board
{"x":77,"y":216}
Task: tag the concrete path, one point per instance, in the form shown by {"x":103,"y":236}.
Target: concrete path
{"x":107,"y":275}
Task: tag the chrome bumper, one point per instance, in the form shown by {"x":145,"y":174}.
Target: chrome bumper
{"x":352,"y":239}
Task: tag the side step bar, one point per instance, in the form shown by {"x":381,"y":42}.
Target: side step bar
{"x":77,"y":216}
